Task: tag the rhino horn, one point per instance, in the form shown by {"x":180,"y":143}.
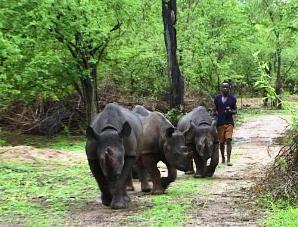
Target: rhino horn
{"x":109,"y":152}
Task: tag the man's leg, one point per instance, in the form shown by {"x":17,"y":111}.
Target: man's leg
{"x":229,"y":151}
{"x":229,"y":134}
{"x":222,"y":151}
{"x":221,"y":137}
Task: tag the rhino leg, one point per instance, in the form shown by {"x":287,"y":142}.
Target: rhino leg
{"x":200,"y":166}
{"x":103,"y":184}
{"x":191,"y":169}
{"x":143,"y":176}
{"x":150,"y":164}
{"x":129,"y":183}
{"x":172,"y":175}
{"x":213,"y":163}
{"x":120,"y":198}
{"x":222,"y":151}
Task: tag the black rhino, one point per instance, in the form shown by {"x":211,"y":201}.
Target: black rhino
{"x":161,"y":142}
{"x":201,"y":137}
{"x":113,"y":141}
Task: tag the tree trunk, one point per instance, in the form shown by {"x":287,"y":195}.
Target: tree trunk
{"x":176,"y":80}
{"x":95,"y":89}
{"x":269,"y":73}
{"x":278,"y":82}
{"x":89,"y":90}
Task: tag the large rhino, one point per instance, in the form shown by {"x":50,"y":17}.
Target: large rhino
{"x":201,"y":137}
{"x":113,"y":140}
{"x":162,"y":142}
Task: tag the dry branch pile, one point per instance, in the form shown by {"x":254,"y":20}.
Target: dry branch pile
{"x":44,"y":117}
{"x":50,"y":117}
{"x":281,"y":179}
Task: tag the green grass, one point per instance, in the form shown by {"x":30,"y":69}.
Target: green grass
{"x":281,"y":213}
{"x":171,"y":209}
{"x":41,"y":194}
{"x":76,"y":144}
{"x":60,"y":142}
{"x":283,"y":218}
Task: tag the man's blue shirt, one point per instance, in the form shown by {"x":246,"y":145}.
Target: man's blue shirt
{"x":225,"y":118}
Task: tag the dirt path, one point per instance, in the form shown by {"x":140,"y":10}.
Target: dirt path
{"x":228,"y":203}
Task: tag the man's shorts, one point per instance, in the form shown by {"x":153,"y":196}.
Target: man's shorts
{"x":225,"y":132}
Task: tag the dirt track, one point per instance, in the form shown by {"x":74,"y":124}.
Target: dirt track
{"x":228,"y":203}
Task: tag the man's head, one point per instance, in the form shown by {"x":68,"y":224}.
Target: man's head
{"x":225,"y":88}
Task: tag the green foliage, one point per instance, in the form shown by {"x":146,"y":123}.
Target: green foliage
{"x":2,"y":141}
{"x":174,"y":115}
{"x":282,"y":164}
{"x":265,"y":81}
{"x":209,"y":32}
{"x":48,"y":46}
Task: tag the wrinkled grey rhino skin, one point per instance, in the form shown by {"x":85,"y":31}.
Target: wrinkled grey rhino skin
{"x":113,"y":140}
{"x":201,"y":137}
{"x":161,"y":142}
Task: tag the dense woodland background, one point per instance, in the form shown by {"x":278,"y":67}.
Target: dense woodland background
{"x":60,"y":59}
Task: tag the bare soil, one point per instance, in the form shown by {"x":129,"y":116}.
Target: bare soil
{"x":228,"y":202}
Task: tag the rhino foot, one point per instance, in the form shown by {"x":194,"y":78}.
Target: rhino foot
{"x":190,"y":172}
{"x":198,"y":175}
{"x":119,"y":205}
{"x":209,"y":174}
{"x":126,"y":198}
{"x":106,"y":200}
{"x":165,"y":182}
{"x":145,"y":187}
{"x":158,"y":192}
{"x":130,"y":188}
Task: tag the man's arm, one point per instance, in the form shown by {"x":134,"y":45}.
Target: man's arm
{"x":233,"y":109}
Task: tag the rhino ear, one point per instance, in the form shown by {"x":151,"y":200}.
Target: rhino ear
{"x":90,"y":134}
{"x":170,"y":131}
{"x":126,"y":130}
{"x":189,"y":134}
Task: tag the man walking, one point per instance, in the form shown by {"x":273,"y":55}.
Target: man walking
{"x":225,"y":108}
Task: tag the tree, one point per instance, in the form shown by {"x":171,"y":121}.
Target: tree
{"x":277,"y":17}
{"x":62,"y":44}
{"x":213,"y":43}
{"x":81,"y":27}
{"x":169,"y":15}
